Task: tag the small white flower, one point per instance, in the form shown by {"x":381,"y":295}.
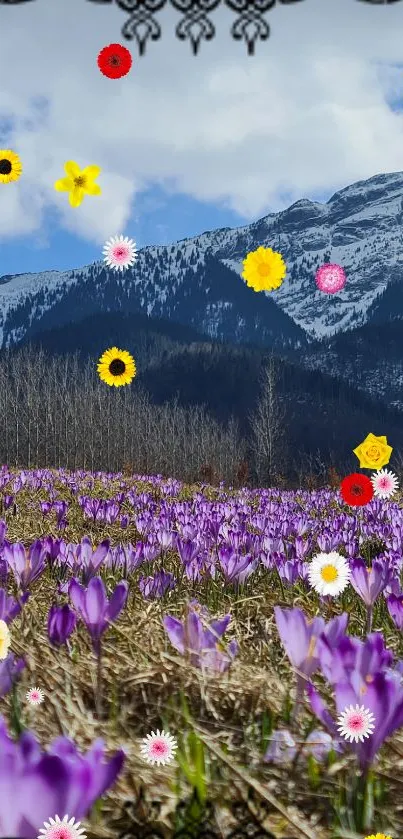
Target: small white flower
{"x":329,"y":573}
{"x":384,"y":483}
{"x":5,"y":640}
{"x":35,"y":696}
{"x":62,"y":829}
{"x":158,"y":747}
{"x":120,"y":253}
{"x":356,"y":723}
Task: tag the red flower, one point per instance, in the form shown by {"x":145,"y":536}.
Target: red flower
{"x":356,"y":490}
{"x":114,"y":61}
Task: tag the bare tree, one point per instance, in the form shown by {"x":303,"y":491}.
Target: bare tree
{"x":267,"y":427}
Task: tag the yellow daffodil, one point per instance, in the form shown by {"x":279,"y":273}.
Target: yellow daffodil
{"x":79,"y":182}
{"x":264,"y":269}
{"x":374,"y":452}
{"x":5,"y":640}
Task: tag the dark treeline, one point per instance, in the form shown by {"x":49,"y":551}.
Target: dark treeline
{"x":55,"y":412}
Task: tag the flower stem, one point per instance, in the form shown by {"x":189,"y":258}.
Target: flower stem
{"x":369,"y":619}
{"x":98,"y":696}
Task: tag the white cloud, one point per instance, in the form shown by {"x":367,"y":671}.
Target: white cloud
{"x":306,"y":115}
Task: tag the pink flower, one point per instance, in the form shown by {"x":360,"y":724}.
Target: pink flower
{"x":120,"y":253}
{"x":330,"y":278}
{"x":356,"y":723}
{"x":158,"y":747}
{"x":384,"y":483}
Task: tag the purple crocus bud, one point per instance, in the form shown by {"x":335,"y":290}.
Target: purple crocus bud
{"x":50,"y":782}
{"x":93,"y":607}
{"x":3,"y":572}
{"x":3,"y":529}
{"x":369,"y":582}
{"x":10,"y":669}
{"x":282,"y":747}
{"x":395,"y":609}
{"x":61,"y":623}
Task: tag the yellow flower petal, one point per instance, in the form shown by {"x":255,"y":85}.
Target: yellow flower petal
{"x":63,"y":185}
{"x":91,"y":172}
{"x":72,"y":169}
{"x":93,"y":189}
{"x":76,"y":196}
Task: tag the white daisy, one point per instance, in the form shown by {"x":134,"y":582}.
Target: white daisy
{"x":384,"y":483}
{"x":35,"y":696}
{"x":158,"y":747}
{"x":356,"y":723}
{"x":329,"y":573}
{"x":120,"y":252}
{"x":62,"y":829}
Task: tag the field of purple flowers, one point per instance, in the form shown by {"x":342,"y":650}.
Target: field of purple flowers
{"x":140,"y":603}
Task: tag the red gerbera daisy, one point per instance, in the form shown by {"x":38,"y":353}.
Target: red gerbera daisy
{"x":114,"y":61}
{"x":356,"y":490}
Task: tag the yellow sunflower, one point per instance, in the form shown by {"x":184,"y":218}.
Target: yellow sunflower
{"x":79,"y":182}
{"x":264,"y":269}
{"x":116,"y":367}
{"x":10,"y":166}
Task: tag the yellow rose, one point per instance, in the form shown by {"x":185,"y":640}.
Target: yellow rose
{"x":5,"y":639}
{"x":374,"y":452}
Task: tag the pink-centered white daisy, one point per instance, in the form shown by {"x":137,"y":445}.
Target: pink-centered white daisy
{"x":384,"y":483}
{"x":158,"y":747}
{"x":62,"y":829}
{"x":330,"y":278}
{"x":356,"y":723}
{"x":120,"y":253}
{"x":35,"y":696}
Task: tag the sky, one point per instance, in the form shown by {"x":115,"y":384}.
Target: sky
{"x":188,"y":144}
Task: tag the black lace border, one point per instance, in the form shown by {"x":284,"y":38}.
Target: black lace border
{"x":195,"y":24}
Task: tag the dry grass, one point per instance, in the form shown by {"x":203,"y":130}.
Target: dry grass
{"x":146,"y":686}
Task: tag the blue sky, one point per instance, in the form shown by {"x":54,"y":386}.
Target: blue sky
{"x":160,"y":218}
{"x":188,"y":144}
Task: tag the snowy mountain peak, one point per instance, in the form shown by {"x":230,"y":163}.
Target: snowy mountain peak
{"x":197,"y":281}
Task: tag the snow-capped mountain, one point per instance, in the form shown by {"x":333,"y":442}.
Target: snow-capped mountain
{"x":196,"y":282}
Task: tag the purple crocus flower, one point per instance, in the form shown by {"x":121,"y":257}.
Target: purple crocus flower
{"x":282,"y":747}
{"x":94,"y":608}
{"x":382,"y":696}
{"x":61,"y":623}
{"x":369,"y":582}
{"x":10,"y":607}
{"x":61,"y":780}
{"x":199,"y":638}
{"x":395,"y":609}
{"x":152,"y":588}
{"x":26,"y":567}
{"x":89,"y":559}
{"x":299,"y":636}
